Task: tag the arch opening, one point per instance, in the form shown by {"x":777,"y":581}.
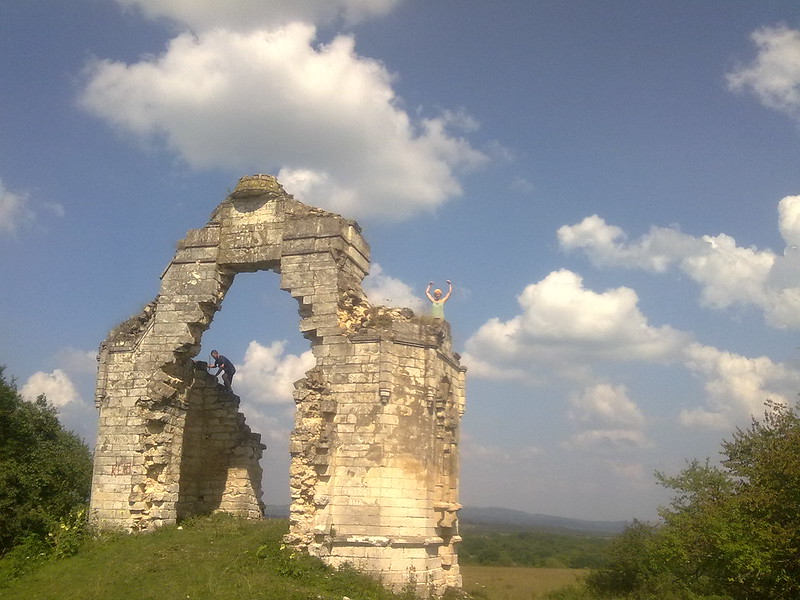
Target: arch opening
{"x":257,"y":329}
{"x":373,"y":471}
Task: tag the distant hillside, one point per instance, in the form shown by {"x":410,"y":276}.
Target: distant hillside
{"x":277,"y":511}
{"x":517,"y":519}
{"x":506,"y":518}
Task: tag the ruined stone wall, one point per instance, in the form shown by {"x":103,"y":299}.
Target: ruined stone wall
{"x":384,"y":495}
{"x":374,"y":471}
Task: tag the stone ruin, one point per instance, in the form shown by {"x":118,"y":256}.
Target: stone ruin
{"x":374,"y":450}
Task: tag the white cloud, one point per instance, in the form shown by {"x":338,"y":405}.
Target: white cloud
{"x":566,"y":326}
{"x":633,"y":472}
{"x":774,"y":75}
{"x":322,"y":116}
{"x":267,"y":375}
{"x":14,"y":211}
{"x":606,"y":246}
{"x":489,"y":453}
{"x":567,"y":332}
{"x":483,"y":452}
{"x":253,"y":14}
{"x":607,"y":404}
{"x":522,"y":185}
{"x":77,"y":361}
{"x":70,"y":388}
{"x":559,"y":309}
{"x":485,"y":369}
{"x":383,"y":290}
{"x":789,"y":220}
{"x":57,"y":386}
{"x":608,"y":440}
{"x":736,"y":386}
{"x":274,"y":430}
{"x":728,"y":274}
{"x":620,"y":419}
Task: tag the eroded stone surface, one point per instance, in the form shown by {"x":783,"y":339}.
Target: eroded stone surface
{"x":374,"y":469}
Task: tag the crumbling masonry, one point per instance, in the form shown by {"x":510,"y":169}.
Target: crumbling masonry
{"x":374,"y":451}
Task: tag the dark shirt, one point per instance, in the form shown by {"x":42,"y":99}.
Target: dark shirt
{"x":224,"y":364}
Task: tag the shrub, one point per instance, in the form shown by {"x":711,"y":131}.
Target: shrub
{"x":45,"y":471}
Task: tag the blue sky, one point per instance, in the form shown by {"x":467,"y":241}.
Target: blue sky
{"x":613,"y":188}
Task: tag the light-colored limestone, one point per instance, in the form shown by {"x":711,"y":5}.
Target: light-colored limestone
{"x":374,"y":471}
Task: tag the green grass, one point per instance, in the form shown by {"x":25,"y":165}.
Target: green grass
{"x":533,"y":548}
{"x":224,"y":558}
{"x":216,"y":558}
{"x":516,"y":583}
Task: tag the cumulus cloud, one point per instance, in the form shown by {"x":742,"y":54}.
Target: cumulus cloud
{"x":728,"y":274}
{"x":486,"y":369}
{"x":253,"y":14}
{"x":789,"y":220}
{"x":736,"y":386}
{"x":774,"y":75}
{"x":322,"y":116}
{"x":606,"y":245}
{"x":617,"y":421}
{"x":488,"y":453}
{"x":522,"y":185}
{"x":633,"y":472}
{"x":70,"y":388}
{"x":566,"y":332}
{"x":14,"y":210}
{"x":57,"y":386}
{"x":78,"y":361}
{"x":268,"y":373}
{"x":608,"y":440}
{"x":384,"y":290}
{"x":607,"y":404}
{"x":565,"y":326}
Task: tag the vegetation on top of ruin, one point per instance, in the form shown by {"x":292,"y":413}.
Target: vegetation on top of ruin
{"x":130,"y":328}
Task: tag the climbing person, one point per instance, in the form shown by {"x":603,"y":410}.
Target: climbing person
{"x":225,"y":367}
{"x":437,"y":301}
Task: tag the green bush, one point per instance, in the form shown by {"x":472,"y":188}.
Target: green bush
{"x":45,"y":471}
{"x":729,"y":533}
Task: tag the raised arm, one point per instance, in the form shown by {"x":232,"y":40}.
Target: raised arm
{"x":449,"y":291}
{"x":428,"y":292}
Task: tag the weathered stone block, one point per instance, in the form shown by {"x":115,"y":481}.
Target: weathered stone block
{"x":374,"y":417}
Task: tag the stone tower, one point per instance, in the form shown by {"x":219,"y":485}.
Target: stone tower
{"x":374,"y":451}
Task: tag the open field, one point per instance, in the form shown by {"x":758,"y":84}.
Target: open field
{"x":515,"y":583}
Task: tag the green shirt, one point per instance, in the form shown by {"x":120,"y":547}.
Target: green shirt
{"x":437,"y":309}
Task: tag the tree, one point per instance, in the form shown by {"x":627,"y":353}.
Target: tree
{"x":731,"y":531}
{"x":765,"y":461}
{"x":45,"y":471}
{"x":631,"y":558}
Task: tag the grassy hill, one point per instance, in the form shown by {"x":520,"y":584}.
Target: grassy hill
{"x":224,"y":558}
{"x":216,"y":558}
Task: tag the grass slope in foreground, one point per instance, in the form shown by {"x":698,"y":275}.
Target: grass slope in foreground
{"x":214,"y":558}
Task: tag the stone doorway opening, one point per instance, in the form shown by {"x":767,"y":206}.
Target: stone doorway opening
{"x":257,"y":329}
{"x":373,"y":476}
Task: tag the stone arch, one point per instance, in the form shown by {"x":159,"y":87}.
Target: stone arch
{"x":367,"y":480}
